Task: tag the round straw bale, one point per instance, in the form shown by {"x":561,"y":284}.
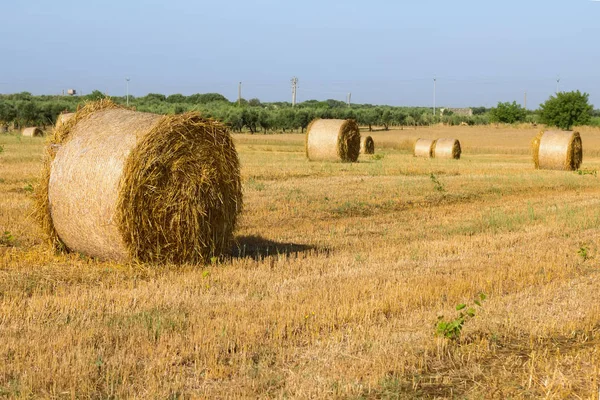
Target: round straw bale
{"x":62,"y":118}
{"x":424,"y":147}
{"x":124,"y":185}
{"x":32,"y":131}
{"x":367,"y":145}
{"x":447,"y":148}
{"x":333,"y":139}
{"x":560,"y":150}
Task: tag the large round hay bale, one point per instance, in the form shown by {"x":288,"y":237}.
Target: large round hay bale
{"x":424,"y":147}
{"x":32,"y":131}
{"x":560,"y":150}
{"x":447,"y":148}
{"x":333,"y":139}
{"x":62,"y":118}
{"x":124,"y":185}
{"x":367,"y":145}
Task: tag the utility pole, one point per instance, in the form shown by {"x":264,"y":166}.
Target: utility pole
{"x":434,"y":81}
{"x":239,"y":93}
{"x":557,"y":82}
{"x":127,"y":90}
{"x":294,"y":81}
{"x":349,"y":99}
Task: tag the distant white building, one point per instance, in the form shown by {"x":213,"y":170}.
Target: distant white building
{"x":463,"y":112}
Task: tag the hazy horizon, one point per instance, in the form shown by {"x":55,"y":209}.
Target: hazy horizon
{"x":383,"y":53}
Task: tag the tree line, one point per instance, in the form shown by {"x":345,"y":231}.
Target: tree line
{"x":24,"y":109}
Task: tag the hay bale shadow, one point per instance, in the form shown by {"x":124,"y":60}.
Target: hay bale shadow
{"x":259,"y":248}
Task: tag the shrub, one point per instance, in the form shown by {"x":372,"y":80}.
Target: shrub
{"x":508,"y":113}
{"x":566,"y":109}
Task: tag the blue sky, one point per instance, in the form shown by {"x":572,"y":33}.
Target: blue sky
{"x":383,"y":52}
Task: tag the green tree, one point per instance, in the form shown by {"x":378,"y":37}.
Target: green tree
{"x":369,"y":117}
{"x":234,"y":119}
{"x":335,"y":103}
{"x":399,"y":117}
{"x":566,"y":109}
{"x":21,"y":96}
{"x":479,"y":110}
{"x":27,"y":113}
{"x":250,"y":119}
{"x":285,"y":119}
{"x":415,"y":113}
{"x":210,"y":97}
{"x":176,"y":98}
{"x":302,"y":119}
{"x":386,"y":119}
{"x":254,"y":102}
{"x":7,"y":112}
{"x":264,"y":120}
{"x":154,"y":97}
{"x":95,"y":95}
{"x":507,"y":113}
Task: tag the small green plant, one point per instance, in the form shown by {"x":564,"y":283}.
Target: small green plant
{"x":256,"y":185}
{"x":7,"y":239}
{"x":28,"y":188}
{"x":584,"y":252}
{"x":437,"y":185}
{"x":1,"y":149}
{"x":377,"y":156}
{"x":582,"y":172}
{"x":452,"y":328}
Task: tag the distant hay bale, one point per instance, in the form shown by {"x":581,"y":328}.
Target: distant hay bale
{"x":367,"y":145}
{"x":62,"y":118}
{"x":559,"y":150}
{"x":32,"y":131}
{"x":447,"y":148}
{"x":424,"y":148}
{"x":123,"y":185}
{"x":333,"y":139}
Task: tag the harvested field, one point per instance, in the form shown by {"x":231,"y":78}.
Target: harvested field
{"x":334,"y":286}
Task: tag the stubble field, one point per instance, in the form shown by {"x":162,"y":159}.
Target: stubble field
{"x":334,"y":286}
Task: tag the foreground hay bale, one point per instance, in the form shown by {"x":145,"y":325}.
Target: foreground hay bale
{"x":447,"y":148}
{"x":333,"y":140}
{"x":367,"y":145}
{"x":62,"y":118}
{"x":123,"y":185}
{"x":559,"y":150}
{"x":424,"y":148}
{"x":32,"y":131}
